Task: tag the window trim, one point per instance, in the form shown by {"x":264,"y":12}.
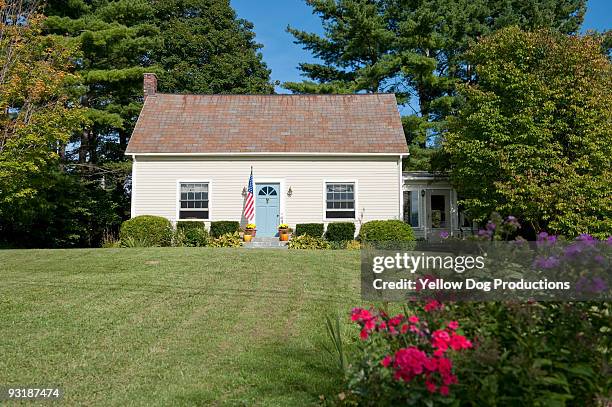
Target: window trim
{"x":178,"y":199}
{"x":356,"y":197}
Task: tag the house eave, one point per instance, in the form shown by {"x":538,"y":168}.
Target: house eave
{"x":269,"y":154}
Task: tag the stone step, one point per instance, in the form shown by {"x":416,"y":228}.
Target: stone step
{"x":265,"y":243}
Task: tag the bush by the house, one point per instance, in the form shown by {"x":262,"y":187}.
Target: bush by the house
{"x":146,"y":231}
{"x":227,"y":240}
{"x":308,"y":242}
{"x":353,"y":245}
{"x":191,"y":234}
{"x":394,"y":231}
{"x":310,"y":229}
{"x":222,"y":227}
{"x":340,"y":231}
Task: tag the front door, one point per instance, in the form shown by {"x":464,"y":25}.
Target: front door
{"x":267,"y":209}
{"x":438,"y":209}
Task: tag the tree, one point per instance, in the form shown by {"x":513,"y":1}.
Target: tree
{"x":37,"y":101}
{"x":534,"y":136}
{"x":414,"y":49}
{"x":207,"y":49}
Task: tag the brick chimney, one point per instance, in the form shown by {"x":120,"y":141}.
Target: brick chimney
{"x":150,"y":85}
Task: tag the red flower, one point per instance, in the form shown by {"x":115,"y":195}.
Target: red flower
{"x":364,"y":334}
{"x":453,"y":325}
{"x":433,"y":305}
{"x":386,"y":361}
{"x":413,"y":319}
{"x":404,"y":328}
{"x":440,"y":340}
{"x":396,"y":320}
{"x":430,"y":386}
{"x":444,"y":390}
{"x":458,"y":342}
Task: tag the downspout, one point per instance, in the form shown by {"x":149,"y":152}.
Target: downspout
{"x":401,"y":187}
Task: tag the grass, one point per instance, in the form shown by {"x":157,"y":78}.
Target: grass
{"x":174,"y":326}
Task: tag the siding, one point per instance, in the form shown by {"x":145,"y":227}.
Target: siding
{"x":378,"y":185}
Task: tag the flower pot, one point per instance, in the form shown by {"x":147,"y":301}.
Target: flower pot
{"x":283,"y":235}
{"x":248,"y":238}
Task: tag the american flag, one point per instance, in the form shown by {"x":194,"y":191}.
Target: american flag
{"x":249,"y":206}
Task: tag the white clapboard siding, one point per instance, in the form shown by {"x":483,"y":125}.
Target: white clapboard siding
{"x":377,"y":181}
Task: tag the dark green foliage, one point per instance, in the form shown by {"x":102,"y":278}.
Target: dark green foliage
{"x":340,"y":231}
{"x":386,"y":231}
{"x":66,"y":212}
{"x":222,"y":227}
{"x":190,"y":224}
{"x":534,"y":353}
{"x":207,"y":49}
{"x":191,"y":234}
{"x":414,"y":49}
{"x":310,"y":229}
{"x":147,"y":230}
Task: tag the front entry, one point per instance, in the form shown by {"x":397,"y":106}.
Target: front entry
{"x":267,"y":209}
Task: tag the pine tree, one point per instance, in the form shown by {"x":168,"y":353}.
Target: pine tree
{"x":414,"y":49}
{"x":207,"y":49}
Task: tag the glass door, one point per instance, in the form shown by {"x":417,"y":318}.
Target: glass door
{"x":438,"y":209}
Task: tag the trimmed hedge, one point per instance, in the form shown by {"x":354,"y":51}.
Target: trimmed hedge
{"x":306,"y":242}
{"x":190,"y":224}
{"x":386,"y":231}
{"x":223,"y":227}
{"x":310,"y":229}
{"x":340,"y":231}
{"x":147,"y":230}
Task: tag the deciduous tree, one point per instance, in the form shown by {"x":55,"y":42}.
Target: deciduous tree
{"x":534,"y":136}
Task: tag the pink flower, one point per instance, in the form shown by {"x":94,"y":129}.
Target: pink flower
{"x":396,"y":320}
{"x":404,"y":328}
{"x":382,"y":326}
{"x":386,"y":361}
{"x":453,"y":325}
{"x":431,"y":387}
{"x":458,"y":342}
{"x":440,"y":340}
{"x":433,"y":305}
{"x":364,"y":334}
{"x":444,"y":390}
{"x":413,"y":319}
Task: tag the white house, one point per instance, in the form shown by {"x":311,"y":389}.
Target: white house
{"x":315,"y":159}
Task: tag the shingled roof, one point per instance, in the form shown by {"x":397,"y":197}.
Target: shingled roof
{"x":198,"y":124}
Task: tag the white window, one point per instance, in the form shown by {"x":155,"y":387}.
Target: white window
{"x":194,"y":200}
{"x":340,"y":200}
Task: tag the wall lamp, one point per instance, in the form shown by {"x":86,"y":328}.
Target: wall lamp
{"x":289,"y":192}
{"x":244,"y":191}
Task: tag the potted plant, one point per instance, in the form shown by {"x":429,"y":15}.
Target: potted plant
{"x":283,"y":232}
{"x":249,"y":232}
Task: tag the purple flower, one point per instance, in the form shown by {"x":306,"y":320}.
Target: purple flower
{"x":609,"y":240}
{"x":491,"y":226}
{"x":599,"y":285}
{"x":444,"y":234}
{"x":546,"y":262}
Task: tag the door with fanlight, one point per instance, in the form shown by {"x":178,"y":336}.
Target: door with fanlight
{"x":267,"y":209}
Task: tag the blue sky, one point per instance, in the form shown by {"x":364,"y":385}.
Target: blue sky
{"x":271,"y":18}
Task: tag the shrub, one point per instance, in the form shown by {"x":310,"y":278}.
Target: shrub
{"x":386,"y":231}
{"x":308,"y":242}
{"x":310,"y":229}
{"x":223,"y":227}
{"x":227,"y":240}
{"x":353,"y":245}
{"x":147,"y":230}
{"x":340,"y":231}
{"x":191,"y":234}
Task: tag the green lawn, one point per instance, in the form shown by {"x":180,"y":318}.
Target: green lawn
{"x":173,"y":326}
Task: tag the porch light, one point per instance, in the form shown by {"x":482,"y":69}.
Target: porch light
{"x":422,"y":192}
{"x":289,"y":192}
